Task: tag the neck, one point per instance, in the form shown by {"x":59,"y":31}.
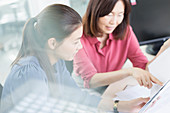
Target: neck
{"x":103,"y":40}
{"x":53,"y":59}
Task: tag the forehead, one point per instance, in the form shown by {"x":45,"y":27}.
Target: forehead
{"x":119,"y":6}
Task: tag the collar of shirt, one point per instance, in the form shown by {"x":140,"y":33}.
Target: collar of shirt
{"x":96,"y":43}
{"x":93,"y":40}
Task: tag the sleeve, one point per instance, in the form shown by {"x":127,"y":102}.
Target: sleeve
{"x":135,"y":54}
{"x":84,"y":67}
{"x":21,"y":82}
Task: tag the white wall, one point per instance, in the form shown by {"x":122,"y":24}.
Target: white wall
{"x":35,"y":6}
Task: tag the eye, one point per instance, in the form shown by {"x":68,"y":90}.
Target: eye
{"x":121,"y":14}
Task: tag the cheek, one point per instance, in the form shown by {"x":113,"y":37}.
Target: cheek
{"x":103,"y":20}
{"x":120,"y":20}
{"x":71,"y":49}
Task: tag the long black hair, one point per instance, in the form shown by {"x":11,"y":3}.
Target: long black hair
{"x":55,"y":21}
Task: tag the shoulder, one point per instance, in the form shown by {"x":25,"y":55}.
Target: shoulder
{"x":27,"y":67}
{"x":85,"y":37}
{"x":88,"y":41}
{"x":129,"y":33}
{"x":27,"y":70}
{"x":129,"y":30}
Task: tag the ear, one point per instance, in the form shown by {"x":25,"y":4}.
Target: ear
{"x":52,"y":43}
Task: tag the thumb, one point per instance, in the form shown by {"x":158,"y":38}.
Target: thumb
{"x":141,"y":100}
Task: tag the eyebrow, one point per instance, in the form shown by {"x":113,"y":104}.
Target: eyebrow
{"x":119,"y":12}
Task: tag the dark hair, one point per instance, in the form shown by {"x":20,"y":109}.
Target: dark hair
{"x":55,"y":21}
{"x":100,"y":8}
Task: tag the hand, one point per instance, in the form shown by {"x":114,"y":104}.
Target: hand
{"x":166,"y":44}
{"x":162,"y":49}
{"x":143,"y":77}
{"x":132,"y":106}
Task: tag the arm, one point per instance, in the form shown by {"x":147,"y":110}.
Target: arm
{"x":84,"y":67}
{"x":139,"y":61}
{"x":143,"y":77}
{"x":103,"y":79}
{"x":163,"y":48}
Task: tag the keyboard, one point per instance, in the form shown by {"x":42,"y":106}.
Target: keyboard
{"x":38,"y":104}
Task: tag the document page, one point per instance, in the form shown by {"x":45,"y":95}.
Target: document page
{"x":160,"y":95}
{"x":160,"y":68}
{"x":133,"y":92}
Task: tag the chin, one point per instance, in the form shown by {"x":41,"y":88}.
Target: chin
{"x":68,"y":59}
{"x":108,"y":32}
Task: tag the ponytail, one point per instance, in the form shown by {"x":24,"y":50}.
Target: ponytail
{"x":32,"y":46}
{"x":28,"y":39}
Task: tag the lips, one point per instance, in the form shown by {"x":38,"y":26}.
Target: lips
{"x":110,"y":28}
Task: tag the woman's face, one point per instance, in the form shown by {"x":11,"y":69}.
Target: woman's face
{"x":70,"y":45}
{"x":109,"y":22}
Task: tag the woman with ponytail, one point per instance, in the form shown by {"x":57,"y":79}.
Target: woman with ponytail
{"x":54,"y":34}
{"x":48,"y":39}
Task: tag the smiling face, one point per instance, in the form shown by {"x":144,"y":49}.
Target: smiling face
{"x":70,"y":45}
{"x":109,"y":22}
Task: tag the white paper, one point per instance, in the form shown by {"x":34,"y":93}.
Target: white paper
{"x":133,"y":92}
{"x":160,"y":68}
{"x":160,"y":94}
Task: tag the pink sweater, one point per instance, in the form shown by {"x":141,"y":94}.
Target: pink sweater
{"x":91,"y":59}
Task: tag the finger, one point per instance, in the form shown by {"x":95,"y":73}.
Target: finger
{"x":139,"y":101}
{"x":144,"y":81}
{"x":141,"y":105}
{"x":149,"y":85}
{"x":140,"y":82}
{"x":155,"y":80}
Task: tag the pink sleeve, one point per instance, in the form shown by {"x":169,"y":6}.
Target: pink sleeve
{"x":135,"y":54}
{"x":83,"y":67}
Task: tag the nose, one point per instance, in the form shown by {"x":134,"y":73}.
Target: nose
{"x":113,"y":20}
